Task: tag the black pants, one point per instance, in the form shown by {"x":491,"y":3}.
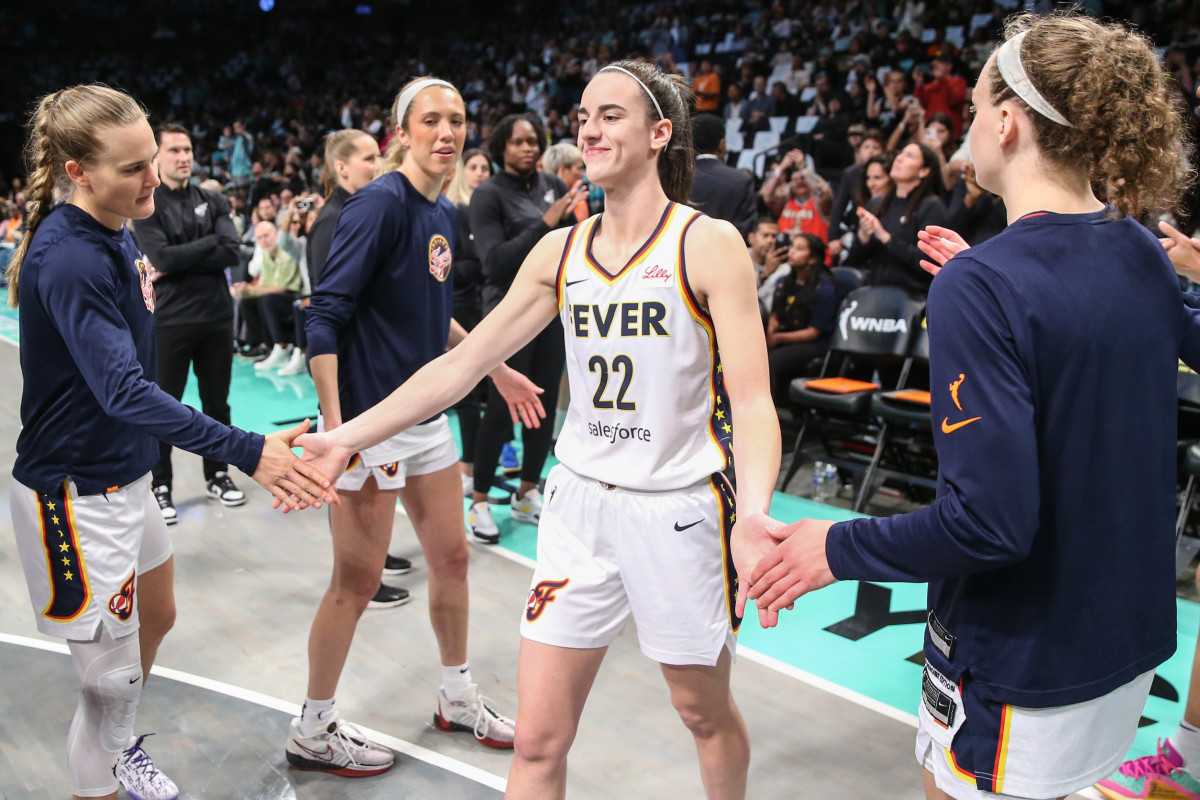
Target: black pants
{"x":788,"y":362}
{"x":268,"y":318}
{"x":209,"y":347}
{"x":542,"y":361}
{"x":470,"y":408}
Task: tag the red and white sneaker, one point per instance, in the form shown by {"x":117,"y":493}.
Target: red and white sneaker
{"x":475,"y":715}
{"x":338,"y":748}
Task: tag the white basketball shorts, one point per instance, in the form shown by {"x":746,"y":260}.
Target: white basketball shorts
{"x":605,"y":552}
{"x":420,"y":450}
{"x":82,"y":555}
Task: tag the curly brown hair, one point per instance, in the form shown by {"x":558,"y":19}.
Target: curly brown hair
{"x":1106,"y":80}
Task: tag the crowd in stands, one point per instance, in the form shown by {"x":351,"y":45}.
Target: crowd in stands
{"x":849,"y":120}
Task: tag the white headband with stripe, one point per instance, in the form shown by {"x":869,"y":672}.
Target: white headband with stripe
{"x":649,"y":93}
{"x":1008,"y":60}
{"x":406,"y":97}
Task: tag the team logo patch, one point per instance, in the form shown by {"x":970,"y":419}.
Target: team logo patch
{"x":439,"y":257}
{"x":146,"y":280}
{"x":120,"y":605}
{"x":540,"y":595}
{"x":391,"y":469}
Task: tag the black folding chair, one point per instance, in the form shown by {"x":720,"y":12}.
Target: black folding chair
{"x":875,"y":328}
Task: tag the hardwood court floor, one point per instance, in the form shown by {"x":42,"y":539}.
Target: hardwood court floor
{"x":247,"y":584}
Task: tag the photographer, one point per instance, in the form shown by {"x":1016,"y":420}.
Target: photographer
{"x":801,"y":198}
{"x":768,"y":252}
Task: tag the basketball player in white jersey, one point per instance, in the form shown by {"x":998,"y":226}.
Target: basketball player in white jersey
{"x":638,"y":519}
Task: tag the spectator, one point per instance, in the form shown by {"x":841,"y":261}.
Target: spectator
{"x":707,"y":87}
{"x":803,"y":313}
{"x":565,"y":162}
{"x":718,"y":189}
{"x":735,"y":106}
{"x":509,"y":213}
{"x":800,"y":197}
{"x":768,"y":252}
{"x":239,"y":147}
{"x":886,"y":243}
{"x":267,"y":300}
{"x":191,"y":242}
{"x":759,"y":107}
{"x":975,"y":213}
{"x":846,"y":200}
{"x":943,"y":92}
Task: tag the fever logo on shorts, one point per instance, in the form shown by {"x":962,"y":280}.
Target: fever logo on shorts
{"x":391,"y":469}
{"x":146,"y":280}
{"x":120,"y":605}
{"x":439,"y":257}
{"x":540,"y":595}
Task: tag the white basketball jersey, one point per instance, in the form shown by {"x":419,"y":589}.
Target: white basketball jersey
{"x":648,"y":405}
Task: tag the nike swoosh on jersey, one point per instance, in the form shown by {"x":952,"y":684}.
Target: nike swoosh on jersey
{"x":948,"y":428}
{"x":572,"y":283}
{"x":685,"y":527}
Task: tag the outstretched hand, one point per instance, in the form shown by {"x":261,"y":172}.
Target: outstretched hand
{"x":295,"y":484}
{"x":1183,"y":252}
{"x":795,"y":566}
{"x":940,"y":244}
{"x":749,"y":543}
{"x":321,"y":455}
{"x":521,"y":394}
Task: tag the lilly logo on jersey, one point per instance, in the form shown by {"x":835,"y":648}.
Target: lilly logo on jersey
{"x":656,"y":275}
{"x":540,"y":595}
{"x":146,"y":281}
{"x":439,"y":257}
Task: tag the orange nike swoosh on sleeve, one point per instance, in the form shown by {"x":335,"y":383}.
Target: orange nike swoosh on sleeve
{"x":948,"y":428}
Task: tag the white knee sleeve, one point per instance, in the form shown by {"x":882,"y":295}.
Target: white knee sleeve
{"x":110,"y":684}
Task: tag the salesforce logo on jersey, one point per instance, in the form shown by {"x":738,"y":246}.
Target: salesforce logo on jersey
{"x":613,"y":433}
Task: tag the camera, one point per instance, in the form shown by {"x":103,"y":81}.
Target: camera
{"x":783,"y":241}
{"x":304,"y":205}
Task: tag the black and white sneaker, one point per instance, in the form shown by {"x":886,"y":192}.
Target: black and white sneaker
{"x":163,"y":495}
{"x":396,"y":565}
{"x":388,"y":597}
{"x":223,"y":489}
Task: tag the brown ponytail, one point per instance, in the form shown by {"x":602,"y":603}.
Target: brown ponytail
{"x":64,"y":127}
{"x":339,"y":146}
{"x":1108,"y":83}
{"x":677,"y":161}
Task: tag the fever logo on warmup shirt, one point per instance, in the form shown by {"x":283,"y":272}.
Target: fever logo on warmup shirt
{"x":540,"y":595}
{"x":146,"y":280}
{"x":439,"y":257}
{"x":120,"y":605}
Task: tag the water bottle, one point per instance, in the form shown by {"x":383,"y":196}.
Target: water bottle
{"x":818,"y":482}
{"x":831,"y":483}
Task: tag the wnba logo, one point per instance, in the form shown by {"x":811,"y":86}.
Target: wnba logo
{"x":120,"y":605}
{"x":540,"y":595}
{"x":439,"y":257}
{"x":146,"y":280}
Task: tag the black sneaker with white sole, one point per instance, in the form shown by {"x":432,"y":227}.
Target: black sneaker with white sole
{"x":396,"y":565}
{"x":163,"y":495}
{"x":222,"y":489}
{"x":388,"y":597}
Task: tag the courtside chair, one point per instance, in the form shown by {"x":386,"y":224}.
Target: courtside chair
{"x":905,"y":448}
{"x":874,"y":329}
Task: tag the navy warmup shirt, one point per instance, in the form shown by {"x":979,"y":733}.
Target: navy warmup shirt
{"x":90,"y":408}
{"x":1050,"y":546}
{"x":383,"y":302}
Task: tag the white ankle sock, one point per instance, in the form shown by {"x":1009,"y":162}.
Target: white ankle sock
{"x":456,"y":681}
{"x":1186,"y":741}
{"x":315,"y":715}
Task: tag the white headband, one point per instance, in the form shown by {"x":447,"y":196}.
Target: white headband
{"x":653,"y":99}
{"x":406,"y":97}
{"x":1008,"y":60}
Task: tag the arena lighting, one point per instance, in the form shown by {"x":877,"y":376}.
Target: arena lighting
{"x":362,"y":10}
{"x":266,"y":5}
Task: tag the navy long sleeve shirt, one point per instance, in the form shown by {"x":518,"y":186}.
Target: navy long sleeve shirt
{"x":90,"y":409}
{"x":1050,"y":546}
{"x":384,"y":299}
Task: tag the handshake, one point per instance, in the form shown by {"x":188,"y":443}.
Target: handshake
{"x":777,"y":564}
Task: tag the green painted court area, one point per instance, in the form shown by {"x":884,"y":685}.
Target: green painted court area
{"x":861,"y":637}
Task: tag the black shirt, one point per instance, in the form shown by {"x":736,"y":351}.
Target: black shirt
{"x":898,"y":263}
{"x":321,"y":236}
{"x":191,"y":241}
